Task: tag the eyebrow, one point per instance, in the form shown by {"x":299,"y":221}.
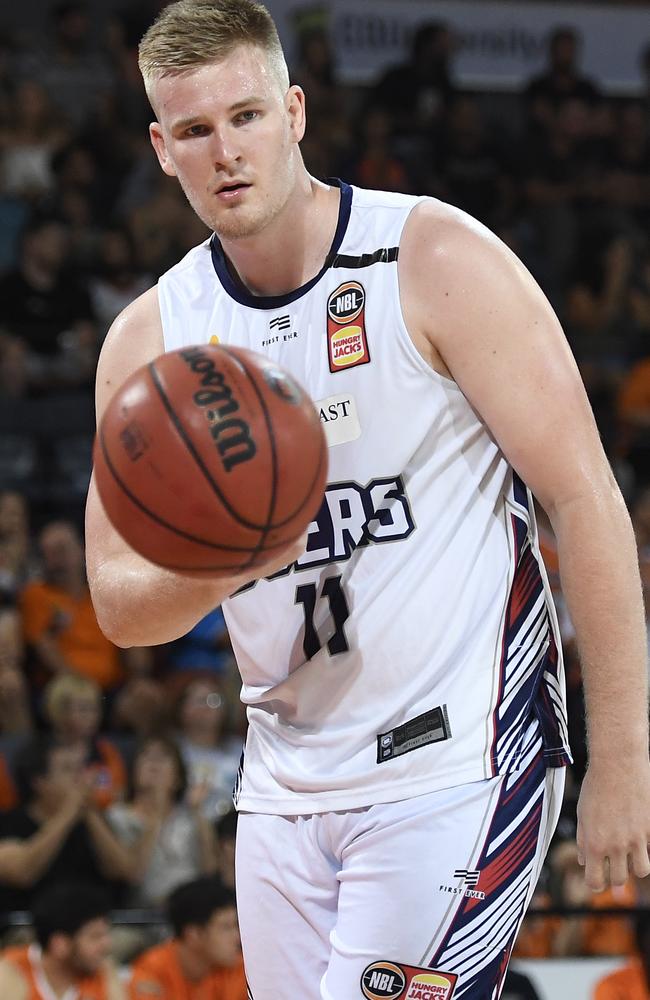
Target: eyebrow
{"x":187,"y":122}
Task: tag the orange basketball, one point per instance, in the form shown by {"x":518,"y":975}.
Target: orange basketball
{"x":210,"y":459}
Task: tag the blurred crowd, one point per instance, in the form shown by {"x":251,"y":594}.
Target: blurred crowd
{"x":116,"y":766}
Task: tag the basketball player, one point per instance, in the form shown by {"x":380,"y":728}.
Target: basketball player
{"x":407,"y":742}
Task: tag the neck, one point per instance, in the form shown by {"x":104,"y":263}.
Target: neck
{"x":58,"y":975}
{"x":293,"y":247}
{"x":194,"y":966}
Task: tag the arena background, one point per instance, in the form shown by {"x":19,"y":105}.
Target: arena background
{"x":87,"y":222}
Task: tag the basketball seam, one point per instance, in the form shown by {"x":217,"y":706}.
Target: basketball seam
{"x":274,"y":525}
{"x":166,"y":524}
{"x":189,"y":444}
{"x":274,"y":463}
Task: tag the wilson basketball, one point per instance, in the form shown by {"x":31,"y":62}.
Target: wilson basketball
{"x":210,"y":459}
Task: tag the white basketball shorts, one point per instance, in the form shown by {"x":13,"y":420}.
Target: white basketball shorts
{"x":419,"y":899}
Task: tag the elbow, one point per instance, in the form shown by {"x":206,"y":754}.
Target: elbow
{"x":116,"y":626}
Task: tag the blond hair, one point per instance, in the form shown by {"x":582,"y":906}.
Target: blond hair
{"x":191,"y":33}
{"x":64,"y":687}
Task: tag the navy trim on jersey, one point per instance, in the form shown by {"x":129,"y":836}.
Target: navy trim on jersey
{"x":387,"y":255}
{"x":246,"y":298}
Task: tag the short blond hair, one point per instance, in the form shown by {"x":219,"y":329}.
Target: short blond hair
{"x":64,"y":687}
{"x":191,"y":33}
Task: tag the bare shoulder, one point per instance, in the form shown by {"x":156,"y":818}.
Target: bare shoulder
{"x":135,"y":338}
{"x":456,"y":276}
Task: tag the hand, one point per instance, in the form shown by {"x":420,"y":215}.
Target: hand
{"x":614,"y":823}
{"x":197,"y":795}
{"x":78,"y":796}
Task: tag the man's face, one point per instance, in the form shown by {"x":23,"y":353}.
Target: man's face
{"x":220,"y":938}
{"x":61,"y":551}
{"x":230,"y":135}
{"x":87,"y":950}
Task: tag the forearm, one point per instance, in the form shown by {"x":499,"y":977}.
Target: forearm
{"x":23,"y":862}
{"x":139,"y":604}
{"x":114,"y":859}
{"x":602,"y":587}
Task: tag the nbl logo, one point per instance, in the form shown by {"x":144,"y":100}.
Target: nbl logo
{"x":383,"y":981}
{"x":347,"y":302}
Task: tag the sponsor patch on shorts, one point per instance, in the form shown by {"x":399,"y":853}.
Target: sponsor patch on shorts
{"x":430,"y":727}
{"x":396,"y":981}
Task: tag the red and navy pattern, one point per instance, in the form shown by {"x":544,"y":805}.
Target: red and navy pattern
{"x":479,"y":940}
{"x":530,"y":670}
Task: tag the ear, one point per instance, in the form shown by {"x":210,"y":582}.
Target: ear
{"x":158,"y":143}
{"x":295,"y":105}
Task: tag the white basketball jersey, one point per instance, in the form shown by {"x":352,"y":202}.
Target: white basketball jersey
{"x":415,"y":641}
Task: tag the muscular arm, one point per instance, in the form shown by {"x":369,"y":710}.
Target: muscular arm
{"x":136,"y":602}
{"x":491,"y":327}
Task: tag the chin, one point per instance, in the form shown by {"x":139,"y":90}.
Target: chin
{"x":234,"y":228}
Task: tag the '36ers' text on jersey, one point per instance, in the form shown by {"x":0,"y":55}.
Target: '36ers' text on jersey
{"x":414,"y":646}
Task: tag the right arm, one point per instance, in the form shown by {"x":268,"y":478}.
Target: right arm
{"x":22,"y":862}
{"x":136,"y":602}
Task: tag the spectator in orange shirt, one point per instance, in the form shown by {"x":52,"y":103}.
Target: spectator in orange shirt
{"x":59,"y":620}
{"x":70,"y":958}
{"x":58,"y":616}
{"x":73,"y":706}
{"x":632,"y":982}
{"x":203,"y":960}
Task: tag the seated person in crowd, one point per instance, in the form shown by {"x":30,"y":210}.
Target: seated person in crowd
{"x":166,"y":835}
{"x":59,"y":619}
{"x":70,"y":957}
{"x":56,"y":834}
{"x":632,"y":982}
{"x":203,"y":960}
{"x":73,"y":707}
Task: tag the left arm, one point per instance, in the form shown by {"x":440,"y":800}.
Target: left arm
{"x":488,"y":323}
{"x":113,"y":857}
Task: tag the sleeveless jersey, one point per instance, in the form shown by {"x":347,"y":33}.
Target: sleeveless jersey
{"x":415,"y":642}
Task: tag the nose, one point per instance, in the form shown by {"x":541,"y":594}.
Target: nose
{"x":225,"y":151}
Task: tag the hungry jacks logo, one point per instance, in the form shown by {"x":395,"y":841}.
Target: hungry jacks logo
{"x":346,"y":327}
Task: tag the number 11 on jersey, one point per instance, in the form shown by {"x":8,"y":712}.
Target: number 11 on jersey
{"x":333,"y":592}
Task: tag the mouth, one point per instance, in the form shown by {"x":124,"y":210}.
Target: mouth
{"x":231,"y":189}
